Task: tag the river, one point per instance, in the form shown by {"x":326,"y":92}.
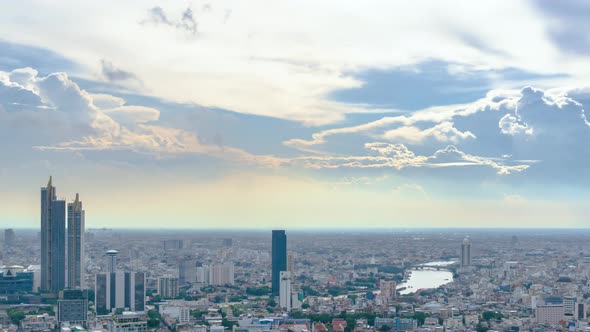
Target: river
{"x":427,"y":278}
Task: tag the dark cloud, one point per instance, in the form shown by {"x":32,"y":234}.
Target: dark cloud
{"x":569,"y":24}
{"x":114,"y":74}
{"x":187,"y":21}
{"x":157,"y":16}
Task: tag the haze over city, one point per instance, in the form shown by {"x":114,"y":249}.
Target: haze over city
{"x":250,"y":114}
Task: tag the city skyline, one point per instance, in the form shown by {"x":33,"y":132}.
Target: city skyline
{"x":396,"y":281}
{"x":295,"y":166}
{"x":415,"y":115}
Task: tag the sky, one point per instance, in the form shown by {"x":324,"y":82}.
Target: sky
{"x":297,"y":114}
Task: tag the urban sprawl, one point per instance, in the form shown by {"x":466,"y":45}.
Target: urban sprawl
{"x":65,"y":277}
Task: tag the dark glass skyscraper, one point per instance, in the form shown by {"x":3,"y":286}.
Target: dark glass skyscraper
{"x":279,"y":259}
{"x":53,"y":241}
{"x":75,"y":244}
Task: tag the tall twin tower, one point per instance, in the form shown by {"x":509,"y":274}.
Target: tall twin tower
{"x":54,"y":270}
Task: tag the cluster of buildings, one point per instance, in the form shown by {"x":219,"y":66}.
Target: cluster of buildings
{"x":68,"y":278}
{"x":54,"y":274}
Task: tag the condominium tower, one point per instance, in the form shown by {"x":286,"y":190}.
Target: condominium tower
{"x":466,"y":252}
{"x":75,"y":244}
{"x":53,"y":242}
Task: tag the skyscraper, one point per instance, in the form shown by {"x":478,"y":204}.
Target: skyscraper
{"x":9,"y":237}
{"x":75,"y":244}
{"x":53,"y":242}
{"x":466,"y":252}
{"x":279,"y":258}
{"x":285,"y":290}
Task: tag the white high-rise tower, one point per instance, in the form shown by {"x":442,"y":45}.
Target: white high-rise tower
{"x":466,"y":252}
{"x":285,"y":290}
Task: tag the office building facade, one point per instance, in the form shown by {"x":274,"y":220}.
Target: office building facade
{"x":15,"y":279}
{"x":550,"y":314}
{"x":53,"y":241}
{"x":75,"y":244}
{"x":119,"y":290}
{"x":279,"y":259}
{"x":72,"y":307}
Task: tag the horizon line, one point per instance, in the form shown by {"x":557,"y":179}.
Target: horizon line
{"x":343,"y":228}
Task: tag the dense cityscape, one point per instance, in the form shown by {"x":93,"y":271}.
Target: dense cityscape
{"x":65,"y":277}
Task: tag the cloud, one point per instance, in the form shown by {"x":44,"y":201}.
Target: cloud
{"x":507,"y":112}
{"x":420,"y":140}
{"x":187,"y":21}
{"x":52,"y":113}
{"x":402,"y":128}
{"x":61,"y":116}
{"x":442,"y":132}
{"x":114,"y":74}
{"x":131,"y":115}
{"x":532,"y":129}
{"x":567,"y":24}
{"x":106,"y":101}
{"x":511,"y":125}
{"x":224,"y":69}
{"x":451,"y":156}
{"x":398,"y":157}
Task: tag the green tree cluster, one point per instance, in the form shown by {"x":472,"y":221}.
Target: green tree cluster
{"x":15,"y":315}
{"x":154,"y":319}
{"x":258,"y":291}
